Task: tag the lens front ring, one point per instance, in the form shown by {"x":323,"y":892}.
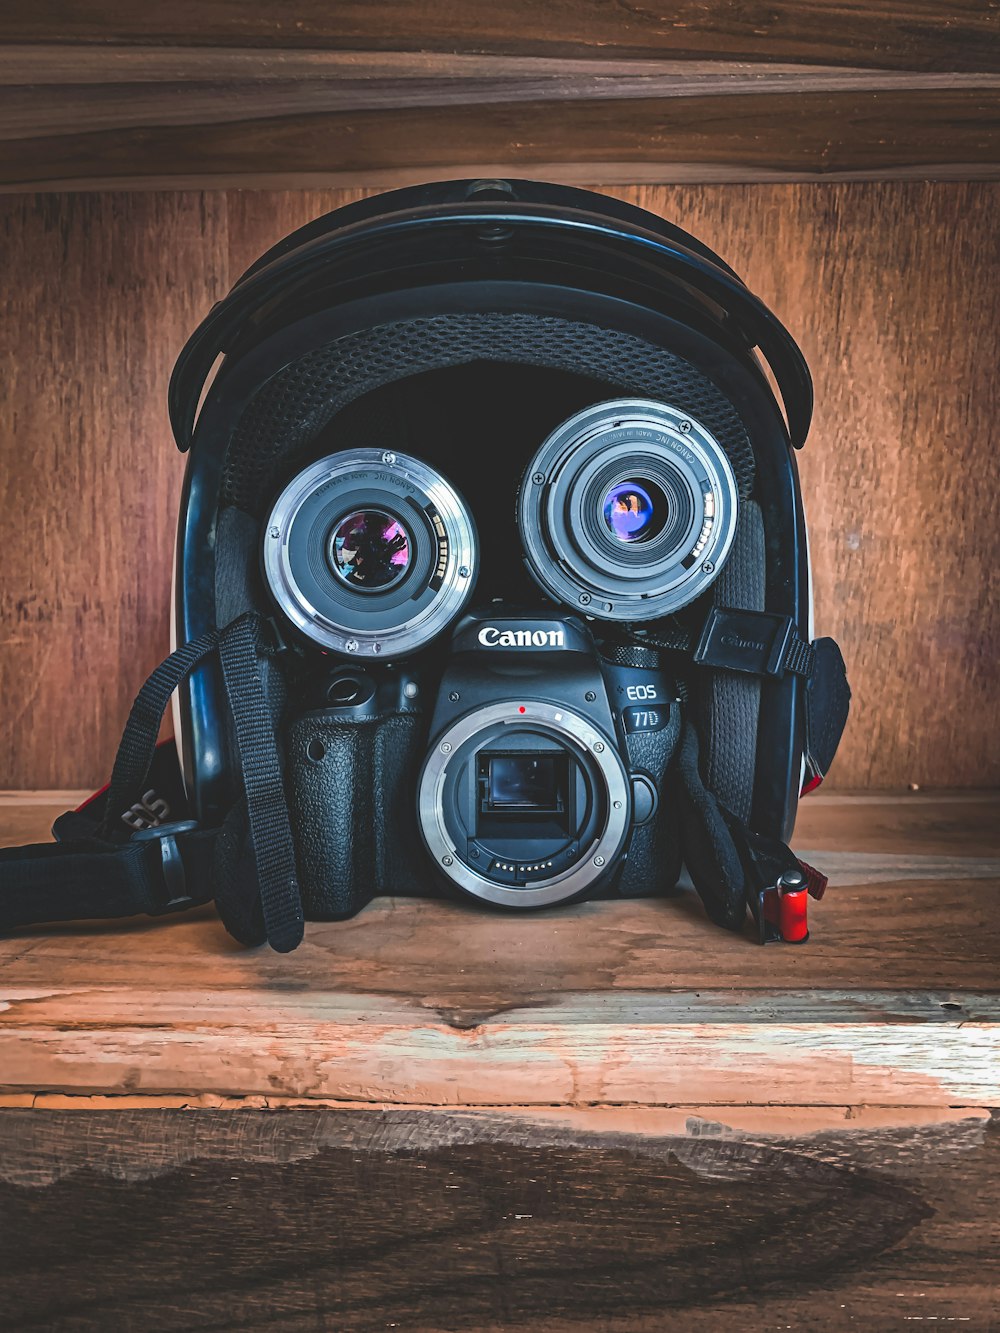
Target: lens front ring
{"x":395,"y":614}
{"x":581,"y":738}
{"x":579,"y":558}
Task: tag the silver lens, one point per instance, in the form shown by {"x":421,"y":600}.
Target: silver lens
{"x":370,"y":553}
{"x":628,"y":510}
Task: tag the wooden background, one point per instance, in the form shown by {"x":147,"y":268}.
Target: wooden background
{"x":890,"y":278}
{"x":893,"y":290}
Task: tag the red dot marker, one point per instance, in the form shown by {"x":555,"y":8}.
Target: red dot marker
{"x":522,"y":709}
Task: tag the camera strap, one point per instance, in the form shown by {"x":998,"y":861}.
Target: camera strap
{"x":121,"y":855}
{"x":756,"y":642}
{"x":732,"y":867}
{"x":759,"y":643}
{"x":131,"y":850}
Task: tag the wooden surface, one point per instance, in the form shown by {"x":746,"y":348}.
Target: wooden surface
{"x":918,"y":34}
{"x":893,"y":1003}
{"x":364,"y":1220}
{"x":352,"y":93}
{"x":893,"y":291}
{"x":739,"y":134}
{"x":611,"y":1117}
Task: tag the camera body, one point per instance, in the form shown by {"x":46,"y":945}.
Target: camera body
{"x":524,"y":769}
{"x":503,"y":394}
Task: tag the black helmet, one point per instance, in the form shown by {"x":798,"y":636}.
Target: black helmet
{"x":518,"y":339}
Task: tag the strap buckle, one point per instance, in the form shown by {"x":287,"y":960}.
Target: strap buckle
{"x":174,"y":878}
{"x":756,"y":641}
{"x":782,"y":910}
{"x":778,"y":884}
{"x":752,"y":641}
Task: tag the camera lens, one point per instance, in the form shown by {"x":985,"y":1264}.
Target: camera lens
{"x":369,"y":549}
{"x":634,"y":511}
{"x":524,"y":805}
{"x":628,"y":509}
{"x":370,"y":553}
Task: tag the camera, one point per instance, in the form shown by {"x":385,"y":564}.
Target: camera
{"x":528,"y":771}
{"x":527,"y":763}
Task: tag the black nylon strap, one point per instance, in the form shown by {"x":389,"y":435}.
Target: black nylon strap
{"x":87,"y":879}
{"x":799,"y":657}
{"x":101,"y":868}
{"x":270,"y":830}
{"x":138,"y":742}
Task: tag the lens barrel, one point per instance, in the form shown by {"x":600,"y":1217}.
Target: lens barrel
{"x":628,"y":510}
{"x":370,"y":553}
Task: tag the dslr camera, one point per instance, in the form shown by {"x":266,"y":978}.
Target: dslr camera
{"x":509,"y":468}
{"x":525,"y":763}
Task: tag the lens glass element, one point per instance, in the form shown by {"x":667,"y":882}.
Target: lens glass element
{"x":369,"y":549}
{"x":635,"y":511}
{"x":370,"y":553}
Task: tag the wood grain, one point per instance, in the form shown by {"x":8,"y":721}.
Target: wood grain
{"x":893,"y":290}
{"x":365,"y":1220}
{"x":100,"y":295}
{"x":763,"y":1048}
{"x":884,"y":34}
{"x":355,"y":94}
{"x":373,"y":78}
{"x":740,"y":137}
{"x":892,"y":1003}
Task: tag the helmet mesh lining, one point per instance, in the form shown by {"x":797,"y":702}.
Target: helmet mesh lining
{"x":295,"y":404}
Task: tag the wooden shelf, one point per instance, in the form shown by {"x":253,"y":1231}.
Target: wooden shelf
{"x":613,"y":1116}
{"x":893,"y":1003}
{"x":124,"y":96}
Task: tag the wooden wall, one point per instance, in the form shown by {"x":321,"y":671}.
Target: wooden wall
{"x":893,"y":290}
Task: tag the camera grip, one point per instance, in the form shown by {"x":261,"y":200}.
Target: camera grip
{"x":351,"y":786}
{"x":653,"y":865}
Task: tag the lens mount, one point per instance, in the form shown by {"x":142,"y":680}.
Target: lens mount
{"x":370,"y":553}
{"x":454,"y":754}
{"x":628,"y":510}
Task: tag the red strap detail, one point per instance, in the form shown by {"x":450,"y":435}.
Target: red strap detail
{"x":816,"y":881}
{"x":811,"y":784}
{"x":91,"y":799}
{"x":97,"y":794}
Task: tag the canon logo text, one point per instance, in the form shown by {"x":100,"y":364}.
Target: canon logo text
{"x":491,"y":637}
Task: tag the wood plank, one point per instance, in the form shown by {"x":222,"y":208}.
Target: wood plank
{"x":902,"y":332}
{"x":100,"y":294}
{"x":750,"y":1047}
{"x":434,"y":1002}
{"x":44,"y":112}
{"x":50,"y":92}
{"x":884,"y":34}
{"x":361,"y":1220}
{"x":932,"y":935}
{"x":805,"y":135}
{"x":93,"y":98}
{"x":391,"y":78}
